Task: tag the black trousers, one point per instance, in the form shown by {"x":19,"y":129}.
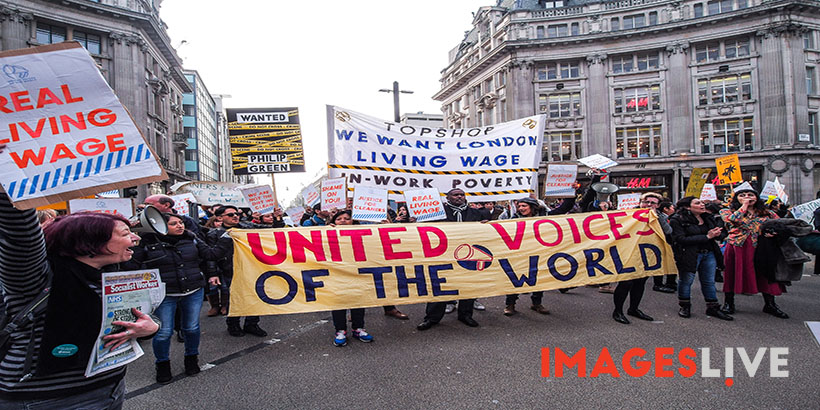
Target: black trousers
{"x":536,"y":298}
{"x":435,"y":310}
{"x":634,"y":288}
{"x":340,"y":318}
{"x":670,"y":280}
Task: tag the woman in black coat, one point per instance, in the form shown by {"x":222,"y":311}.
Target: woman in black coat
{"x":180,"y":258}
{"x":696,"y":251}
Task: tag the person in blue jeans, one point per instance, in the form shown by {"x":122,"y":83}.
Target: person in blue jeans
{"x":694,"y":239}
{"x":180,"y":258}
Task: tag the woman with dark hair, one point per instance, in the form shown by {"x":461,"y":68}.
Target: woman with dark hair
{"x":345,"y":217}
{"x":180,"y":258}
{"x":70,"y":259}
{"x":743,"y":219}
{"x":694,"y":234}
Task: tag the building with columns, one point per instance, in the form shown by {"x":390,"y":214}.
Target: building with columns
{"x":660,"y":86}
{"x":130,"y":44}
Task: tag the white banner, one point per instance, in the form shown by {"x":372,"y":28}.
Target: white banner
{"x":334,"y":194}
{"x":260,"y":198}
{"x":212,"y":193}
{"x":806,"y":211}
{"x":560,"y":180}
{"x":425,"y":204}
{"x":708,"y":193}
{"x":67,"y":133}
{"x":369,"y":204}
{"x":629,"y":201}
{"x":116,"y":206}
{"x":490,"y":163}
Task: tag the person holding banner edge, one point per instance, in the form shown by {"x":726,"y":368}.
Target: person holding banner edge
{"x":69,"y":259}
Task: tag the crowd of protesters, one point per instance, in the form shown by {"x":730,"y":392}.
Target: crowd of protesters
{"x":195,"y":260}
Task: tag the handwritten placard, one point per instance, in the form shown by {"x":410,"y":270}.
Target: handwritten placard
{"x":182,"y":203}
{"x":310,"y":195}
{"x":629,"y":201}
{"x":212,"y":193}
{"x":560,"y":180}
{"x":334,"y":193}
{"x":597,"y":161}
{"x":116,"y":206}
{"x":708,"y":193}
{"x":369,"y":204}
{"x":260,"y":198}
{"x":425,"y":204}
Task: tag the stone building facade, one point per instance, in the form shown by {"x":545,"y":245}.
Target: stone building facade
{"x":130,"y":44}
{"x":660,"y":86}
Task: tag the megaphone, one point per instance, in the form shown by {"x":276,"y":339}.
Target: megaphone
{"x":149,"y":220}
{"x":604,"y":190}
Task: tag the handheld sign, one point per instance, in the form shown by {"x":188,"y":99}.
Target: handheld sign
{"x":334,"y":193}
{"x":728,"y":170}
{"x":559,"y":181}
{"x":781,"y":191}
{"x":369,"y":204}
{"x":295,"y":213}
{"x":260,"y":198}
{"x":806,"y":211}
{"x":629,"y":201}
{"x":708,"y":193}
{"x":597,"y":161}
{"x":696,"y":181}
{"x":182,"y":203}
{"x":116,"y":206}
{"x":68,"y":135}
{"x":768,"y":191}
{"x":310,"y":195}
{"x":425,"y":204}
{"x":212,"y":192}
{"x":265,"y":140}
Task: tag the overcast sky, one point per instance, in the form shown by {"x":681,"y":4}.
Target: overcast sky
{"x":308,"y":54}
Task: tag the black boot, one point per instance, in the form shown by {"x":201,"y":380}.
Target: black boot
{"x":729,"y":304}
{"x":718,"y":276}
{"x":713,"y":309}
{"x":164,"y":372}
{"x":685,"y":308}
{"x":771,"y":308}
{"x":191,"y":364}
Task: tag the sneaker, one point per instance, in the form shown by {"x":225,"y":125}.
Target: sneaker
{"x":340,"y":339}
{"x":449,"y":308}
{"x":478,"y":306}
{"x":362,"y":335}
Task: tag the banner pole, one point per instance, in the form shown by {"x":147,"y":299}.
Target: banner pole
{"x":273,"y":186}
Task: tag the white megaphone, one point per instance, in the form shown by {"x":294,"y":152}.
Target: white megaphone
{"x":149,"y":220}
{"x":604,"y":190}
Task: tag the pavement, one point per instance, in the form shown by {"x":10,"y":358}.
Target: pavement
{"x":499,"y":364}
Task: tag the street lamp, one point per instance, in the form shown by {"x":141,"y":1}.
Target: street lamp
{"x":395,"y":91}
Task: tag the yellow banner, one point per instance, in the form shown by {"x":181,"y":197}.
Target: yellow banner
{"x":283,"y":141}
{"x":696,"y":181}
{"x":246,"y":126}
{"x":312,"y":269}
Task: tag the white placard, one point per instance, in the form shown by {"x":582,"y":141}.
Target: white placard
{"x":260,"y":198}
{"x":768,"y":190}
{"x":629,"y":201}
{"x":310,"y":195}
{"x":295,"y":213}
{"x":114,"y":193}
{"x":425,"y":204}
{"x":182,"y":203}
{"x":597,"y":161}
{"x":805,"y":211}
{"x":489,"y":163}
{"x":116,"y":206}
{"x":708,"y":193}
{"x":334,"y":194}
{"x":369,"y":204}
{"x":781,"y":191}
{"x":560,"y":180}
{"x":211,"y":193}
{"x":67,"y":133}
{"x":288,"y":220}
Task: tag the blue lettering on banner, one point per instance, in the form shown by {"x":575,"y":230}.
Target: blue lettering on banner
{"x":530,"y":279}
{"x":260,"y":288}
{"x":647,"y":246}
{"x":436,"y":281}
{"x":594,"y":258}
{"x":378,"y":278}
{"x":619,"y":266}
{"x":573,"y":266}
{"x":310,"y":284}
{"x":403,"y":281}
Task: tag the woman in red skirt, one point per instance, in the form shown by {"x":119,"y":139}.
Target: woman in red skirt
{"x":743,"y":219}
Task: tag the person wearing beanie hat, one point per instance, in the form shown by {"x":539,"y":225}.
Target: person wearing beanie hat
{"x":743,"y":219}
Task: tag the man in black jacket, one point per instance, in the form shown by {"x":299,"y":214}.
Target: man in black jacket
{"x":457,"y":210}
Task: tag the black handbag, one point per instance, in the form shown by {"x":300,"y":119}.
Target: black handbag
{"x":810,"y":243}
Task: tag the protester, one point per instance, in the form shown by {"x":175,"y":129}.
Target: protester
{"x":70,"y":259}
{"x":653,"y":201}
{"x":343,"y":218}
{"x":743,"y":219}
{"x":457,"y":210}
{"x":694,"y":235}
{"x":180,"y":258}
{"x":318,"y":218}
{"x":402,"y":215}
{"x":45,"y":217}
{"x":165,"y":204}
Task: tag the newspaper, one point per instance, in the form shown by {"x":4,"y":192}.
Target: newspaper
{"x":122,"y":291}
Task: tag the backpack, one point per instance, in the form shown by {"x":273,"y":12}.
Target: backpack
{"x":25,"y":317}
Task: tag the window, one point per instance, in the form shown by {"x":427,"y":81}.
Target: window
{"x":557,"y":30}
{"x":91,"y":42}
{"x":476,"y":92}
{"x":707,"y":52}
{"x":637,"y":99}
{"x":551,"y":4}
{"x":539,"y":32}
{"x":558,"y":70}
{"x":742,"y":4}
{"x":720,"y":6}
{"x":488,"y":85}
{"x":737,"y":48}
{"x":638,"y":142}
{"x":622,"y":64}
{"x":698,"y":10}
{"x":575,"y":29}
{"x":615,"y":24}
{"x":653,"y":18}
{"x":48,"y":34}
{"x":721,"y":90}
{"x":479,"y":119}
{"x":560,"y":105}
{"x":813,"y":131}
{"x":502,"y":111}
{"x":562,"y":146}
{"x":727,"y":135}
{"x":634,"y":21}
{"x":647,"y":61}
{"x":501,"y":78}
{"x":810,"y":87}
{"x":808,"y":40}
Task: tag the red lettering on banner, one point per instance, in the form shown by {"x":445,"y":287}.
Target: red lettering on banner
{"x":426,"y":245}
{"x":642,"y":215}
{"x":576,"y":236}
{"x":28,"y":155}
{"x":298,"y":244}
{"x":61,"y":152}
{"x":512,"y":244}
{"x":281,"y":248}
{"x":560,"y":232}
{"x":96,"y":148}
{"x":613,"y":226}
{"x":587,"y":230}
{"x":356,"y":242}
{"x":21,"y":101}
{"x":388,"y":242}
{"x":333,"y":244}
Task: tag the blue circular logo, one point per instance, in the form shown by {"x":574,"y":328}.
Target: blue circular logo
{"x":64,"y":350}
